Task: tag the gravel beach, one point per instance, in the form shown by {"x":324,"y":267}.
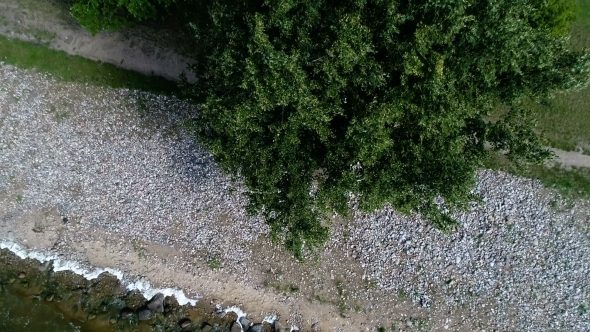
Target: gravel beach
{"x":109,"y":178}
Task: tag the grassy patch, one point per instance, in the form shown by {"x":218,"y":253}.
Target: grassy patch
{"x":371,"y":284}
{"x":77,"y":69}
{"x":565,"y":124}
{"x":564,"y":119}
{"x":281,"y":288}
{"x":584,"y":13}
{"x":572,"y":183}
{"x":139,"y":249}
{"x":213,"y":263}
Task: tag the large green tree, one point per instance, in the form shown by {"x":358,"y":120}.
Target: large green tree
{"x":313,"y":102}
{"x":319,"y":103}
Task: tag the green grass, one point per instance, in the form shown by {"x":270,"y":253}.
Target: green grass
{"x":565,"y":123}
{"x":584,"y":12}
{"x":213,"y":263}
{"x":565,"y":120}
{"x":571,"y":183}
{"x":77,"y":69}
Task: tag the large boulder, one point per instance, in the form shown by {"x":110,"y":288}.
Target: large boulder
{"x":156,"y":304}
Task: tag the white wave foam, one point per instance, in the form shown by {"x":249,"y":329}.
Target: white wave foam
{"x":144,"y":287}
{"x":141,"y":285}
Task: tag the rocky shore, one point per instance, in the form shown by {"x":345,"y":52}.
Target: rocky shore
{"x":105,"y":304}
{"x":108,"y":178}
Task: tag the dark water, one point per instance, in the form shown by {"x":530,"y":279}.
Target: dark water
{"x":18,"y":313}
{"x":35,"y":298}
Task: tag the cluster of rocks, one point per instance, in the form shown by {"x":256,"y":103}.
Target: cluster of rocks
{"x":155,"y":305}
{"x":243,"y":324}
{"x":519,"y":259}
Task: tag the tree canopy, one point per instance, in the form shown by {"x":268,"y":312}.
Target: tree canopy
{"x":97,"y":15}
{"x":315,"y":104}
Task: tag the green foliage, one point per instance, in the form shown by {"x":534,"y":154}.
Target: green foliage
{"x":213,"y":263}
{"x":315,"y":103}
{"x":555,"y":16}
{"x":97,"y":15}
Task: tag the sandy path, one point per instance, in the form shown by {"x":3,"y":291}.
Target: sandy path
{"x":49,"y":22}
{"x":571,"y":158}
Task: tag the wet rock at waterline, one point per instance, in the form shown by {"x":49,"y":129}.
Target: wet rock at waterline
{"x":236,"y":327}
{"x":126,"y":313}
{"x":245,"y":323}
{"x":279,"y":327}
{"x":185,"y":323}
{"x":156,"y":304}
{"x":105,"y":301}
{"x":255,"y":328}
{"x":145,"y":314}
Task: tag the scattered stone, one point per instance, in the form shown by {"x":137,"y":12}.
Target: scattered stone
{"x":236,"y":327}
{"x":11,"y":280}
{"x":279,"y":327}
{"x":184,"y":323}
{"x":315,"y":327}
{"x":49,"y":297}
{"x":255,"y":328}
{"x":79,"y":290}
{"x":45,"y":266}
{"x":156,"y":304}
{"x":145,"y":314}
{"x":22,"y":275}
{"x":409,"y":323}
{"x":91,"y":316}
{"x":113,"y":321}
{"x":126,"y":313}
{"x":245,"y":323}
{"x":206,"y":328}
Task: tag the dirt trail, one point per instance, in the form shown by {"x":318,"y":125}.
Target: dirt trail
{"x":50,"y":23}
{"x":571,"y":158}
